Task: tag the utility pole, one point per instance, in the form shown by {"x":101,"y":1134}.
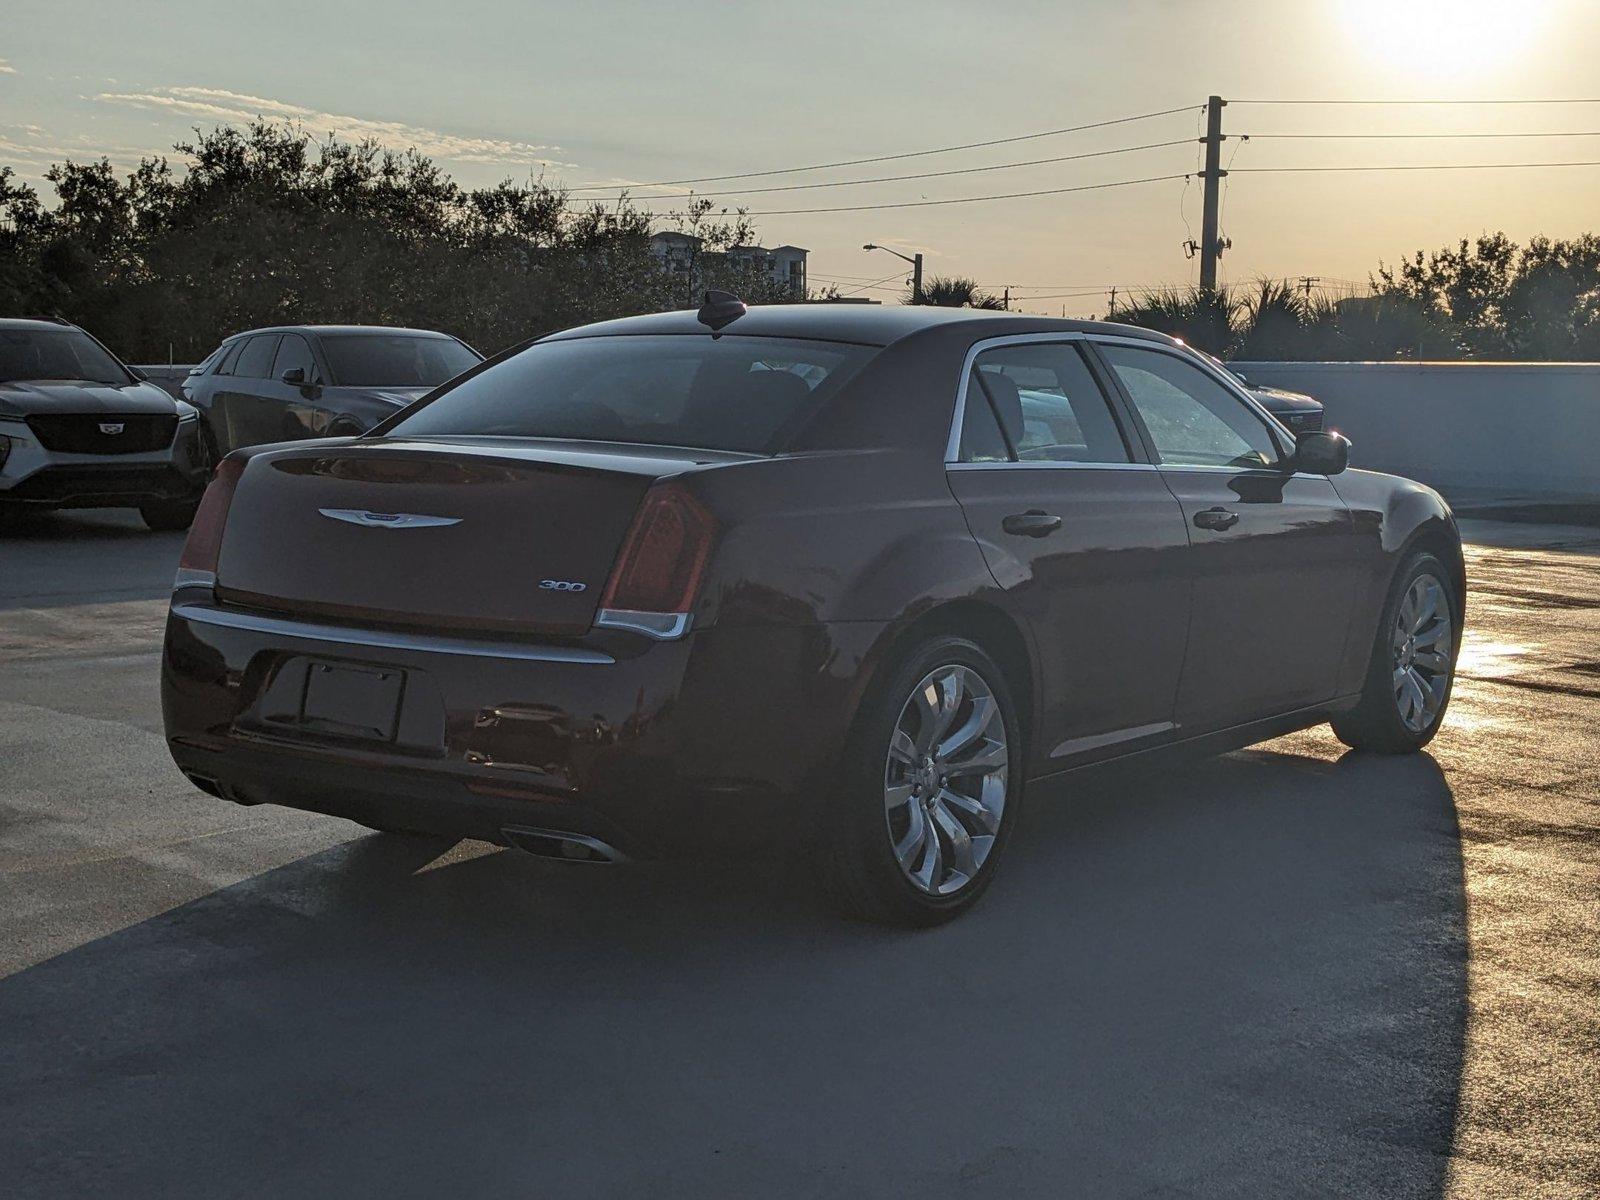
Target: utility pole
{"x":1308,"y":282}
{"x":1008,"y":298}
{"x":1111,"y":309}
{"x":1210,"y":247}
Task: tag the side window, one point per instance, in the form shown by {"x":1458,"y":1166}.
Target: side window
{"x":230,"y":357}
{"x":1193,"y":419}
{"x":1044,"y":398}
{"x":255,"y":360}
{"x":293,"y":352}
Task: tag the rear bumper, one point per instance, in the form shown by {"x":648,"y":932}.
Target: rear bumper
{"x":713,"y":742}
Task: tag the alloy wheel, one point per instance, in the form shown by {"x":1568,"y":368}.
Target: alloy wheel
{"x":1421,"y":645}
{"x":944,"y":789}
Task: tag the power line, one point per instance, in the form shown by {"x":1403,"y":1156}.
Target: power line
{"x":856,"y":162}
{"x":1562,"y":100}
{"x":1413,"y":136}
{"x":872,"y":286}
{"x":1032,"y":162}
{"x":1086,"y":187}
{"x":1423,"y":167}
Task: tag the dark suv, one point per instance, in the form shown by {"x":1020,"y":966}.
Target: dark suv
{"x":309,"y":381}
{"x":79,"y":429}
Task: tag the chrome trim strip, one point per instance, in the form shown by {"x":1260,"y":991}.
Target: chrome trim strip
{"x":1095,"y":742}
{"x":1049,"y":466}
{"x":188,"y":577}
{"x":381,"y":639}
{"x":664,"y":627}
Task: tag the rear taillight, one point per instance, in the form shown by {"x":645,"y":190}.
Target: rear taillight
{"x":199,"y":562}
{"x":661,"y":566}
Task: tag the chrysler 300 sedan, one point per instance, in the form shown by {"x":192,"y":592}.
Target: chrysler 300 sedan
{"x":799,"y":576}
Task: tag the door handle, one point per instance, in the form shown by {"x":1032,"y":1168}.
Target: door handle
{"x":1033,"y":523}
{"x":1215,"y":518}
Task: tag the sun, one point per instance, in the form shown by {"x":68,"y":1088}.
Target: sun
{"x":1438,"y":37}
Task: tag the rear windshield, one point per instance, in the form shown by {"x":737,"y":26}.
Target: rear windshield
{"x":727,"y":393}
{"x":399,"y":360}
{"x":34,"y":354}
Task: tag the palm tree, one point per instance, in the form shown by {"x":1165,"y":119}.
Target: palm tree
{"x":1200,"y":318}
{"x":954,"y":292}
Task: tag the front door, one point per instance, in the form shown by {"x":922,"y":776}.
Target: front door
{"x":1088,"y":542}
{"x":1273,"y":553}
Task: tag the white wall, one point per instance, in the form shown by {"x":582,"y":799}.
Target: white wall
{"x":1524,"y":428}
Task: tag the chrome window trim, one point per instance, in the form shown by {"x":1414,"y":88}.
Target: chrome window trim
{"x":1038,"y":465}
{"x":952,"y":446}
{"x":381,"y":639}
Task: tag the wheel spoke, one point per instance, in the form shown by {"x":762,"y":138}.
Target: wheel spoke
{"x":1427,"y":606}
{"x":960,"y":841}
{"x":932,"y":868}
{"x":1431,"y":660}
{"x":952,"y":691}
{"x":988,"y":821}
{"x":977,"y":723}
{"x":894,"y":797}
{"x":990,"y":756}
{"x":907,"y":848}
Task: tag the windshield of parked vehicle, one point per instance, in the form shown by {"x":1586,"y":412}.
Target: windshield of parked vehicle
{"x":65,"y":354}
{"x":396,"y":360}
{"x":725,"y":393}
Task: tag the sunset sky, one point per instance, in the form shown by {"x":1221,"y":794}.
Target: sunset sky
{"x":643,"y":91}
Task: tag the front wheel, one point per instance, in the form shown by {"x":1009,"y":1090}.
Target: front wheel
{"x":928,"y":792}
{"x":1413,"y":665}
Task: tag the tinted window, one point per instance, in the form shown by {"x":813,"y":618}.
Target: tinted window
{"x":56,"y":354}
{"x":255,"y":360}
{"x":1047,"y":402}
{"x":1193,"y":420}
{"x":731,"y":393}
{"x":294,"y":352}
{"x":981,"y":440}
{"x":394,"y":359}
{"x":230,"y":357}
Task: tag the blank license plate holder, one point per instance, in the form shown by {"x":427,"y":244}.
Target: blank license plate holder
{"x":359,"y":702}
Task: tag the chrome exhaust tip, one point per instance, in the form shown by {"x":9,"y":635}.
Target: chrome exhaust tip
{"x":563,"y":847}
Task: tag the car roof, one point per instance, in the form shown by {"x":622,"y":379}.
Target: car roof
{"x":871,"y":325}
{"x":34,"y":323}
{"x":339,"y":329}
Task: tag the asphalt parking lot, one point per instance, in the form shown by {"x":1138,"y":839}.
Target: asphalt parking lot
{"x":1289,"y":971}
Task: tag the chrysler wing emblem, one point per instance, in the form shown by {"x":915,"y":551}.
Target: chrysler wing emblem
{"x":110,"y":427}
{"x":383,"y":520}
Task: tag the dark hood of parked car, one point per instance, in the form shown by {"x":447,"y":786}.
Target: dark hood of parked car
{"x":1276,"y":400}
{"x":22,"y":398}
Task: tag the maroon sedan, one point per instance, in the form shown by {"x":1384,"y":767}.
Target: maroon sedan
{"x":819,"y":576}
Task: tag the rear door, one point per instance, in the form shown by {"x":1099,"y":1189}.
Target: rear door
{"x":1273,"y":559}
{"x":247,"y":416}
{"x":1084,"y":536}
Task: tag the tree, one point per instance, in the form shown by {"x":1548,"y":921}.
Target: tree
{"x":954,"y":292}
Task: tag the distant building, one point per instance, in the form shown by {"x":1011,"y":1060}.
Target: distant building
{"x":785,"y":266}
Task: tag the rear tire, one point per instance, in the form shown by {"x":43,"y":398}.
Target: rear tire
{"x":1412,"y":669}
{"x":936,"y":753}
{"x":164,"y":516}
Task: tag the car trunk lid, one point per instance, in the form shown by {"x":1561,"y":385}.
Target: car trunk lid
{"x":461,"y":533}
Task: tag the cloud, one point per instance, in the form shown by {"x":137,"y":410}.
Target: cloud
{"x":215,"y":104}
{"x":6,"y":68}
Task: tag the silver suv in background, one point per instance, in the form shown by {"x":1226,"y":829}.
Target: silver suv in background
{"x":79,"y":429}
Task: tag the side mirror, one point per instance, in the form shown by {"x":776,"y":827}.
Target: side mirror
{"x":295,"y":377}
{"x":1321,"y":453}
{"x":138,"y":374}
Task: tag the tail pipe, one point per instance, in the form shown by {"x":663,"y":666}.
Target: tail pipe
{"x":565,"y":847}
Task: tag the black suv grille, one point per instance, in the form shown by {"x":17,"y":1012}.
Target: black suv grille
{"x":104,"y":433}
{"x":1309,"y":421}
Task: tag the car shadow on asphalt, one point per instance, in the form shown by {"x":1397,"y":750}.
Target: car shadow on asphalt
{"x":1244,"y":977}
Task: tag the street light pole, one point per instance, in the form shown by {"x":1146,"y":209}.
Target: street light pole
{"x":916,"y":269}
